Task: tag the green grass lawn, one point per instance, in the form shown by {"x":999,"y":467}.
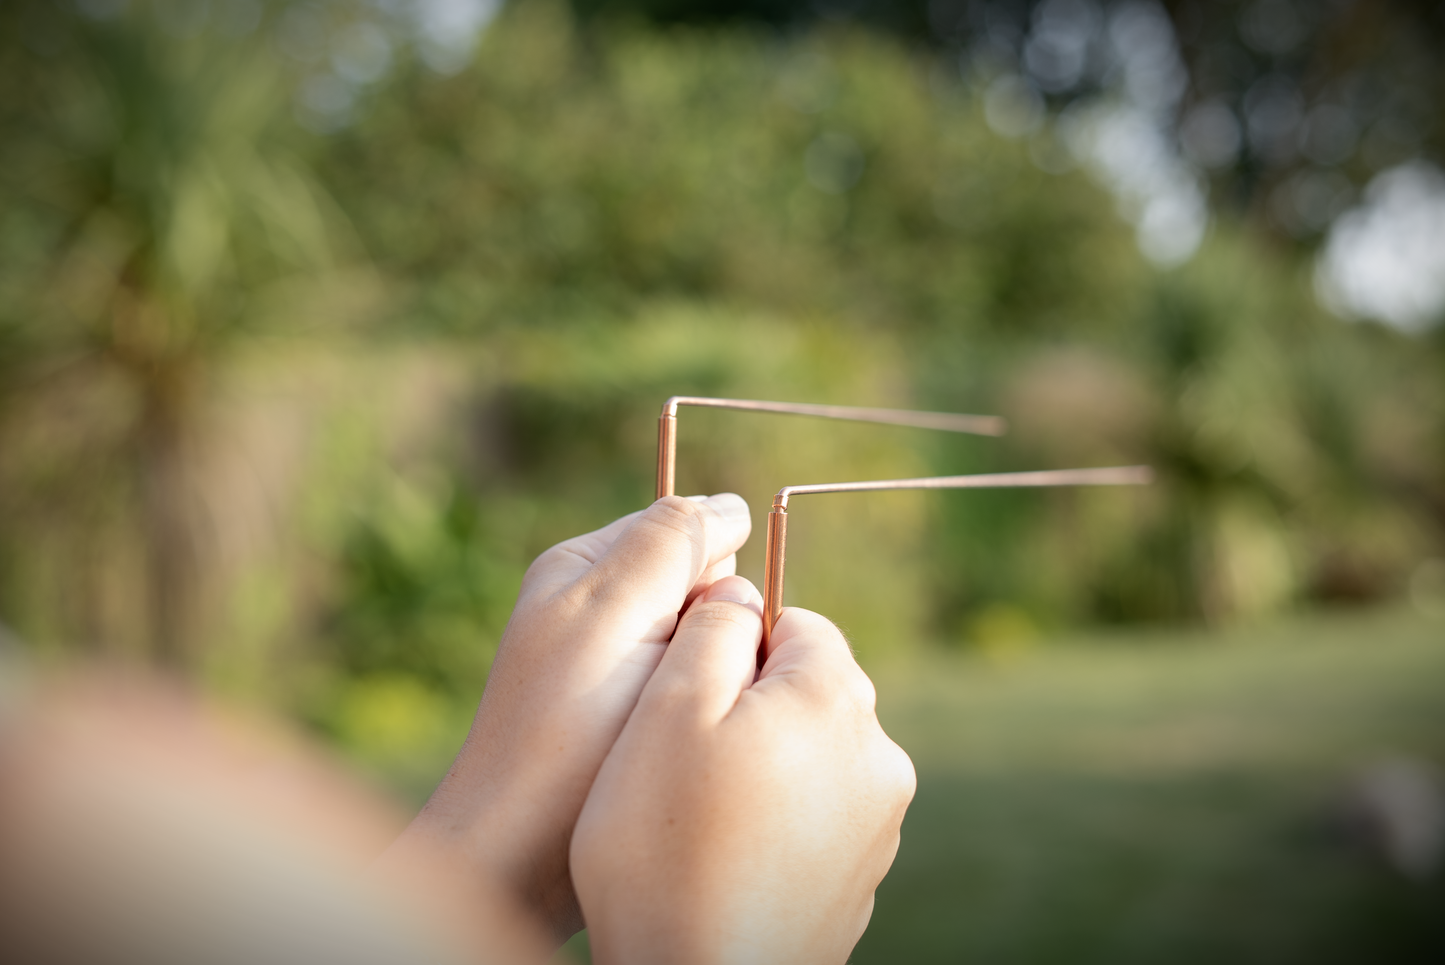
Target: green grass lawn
{"x":1160,"y":798}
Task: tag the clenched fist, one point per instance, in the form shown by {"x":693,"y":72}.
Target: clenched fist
{"x":742,"y":820}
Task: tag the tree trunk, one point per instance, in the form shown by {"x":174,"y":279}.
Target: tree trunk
{"x":170,"y":513}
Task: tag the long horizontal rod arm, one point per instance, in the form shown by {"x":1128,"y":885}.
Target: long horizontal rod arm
{"x":775,"y":557}
{"x":983,"y":425}
{"x":1109,"y":476}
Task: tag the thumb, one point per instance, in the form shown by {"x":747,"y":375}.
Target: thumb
{"x":713,"y":655}
{"x":657,"y":559}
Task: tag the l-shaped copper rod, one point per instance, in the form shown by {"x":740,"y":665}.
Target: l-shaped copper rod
{"x":776,"y":557}
{"x":983,"y":425}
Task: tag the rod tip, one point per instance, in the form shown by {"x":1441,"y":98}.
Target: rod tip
{"x":993,"y":425}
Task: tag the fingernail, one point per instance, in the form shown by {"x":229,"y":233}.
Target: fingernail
{"x":728,"y":505}
{"x":735,"y":589}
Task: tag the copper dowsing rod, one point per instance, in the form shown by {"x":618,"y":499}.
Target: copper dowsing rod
{"x":983,"y":425}
{"x":778,"y":518}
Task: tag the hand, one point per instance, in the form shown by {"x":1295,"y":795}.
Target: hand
{"x":592,"y":621}
{"x":737,"y":821}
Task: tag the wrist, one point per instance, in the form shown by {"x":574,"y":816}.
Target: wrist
{"x":509,"y":831}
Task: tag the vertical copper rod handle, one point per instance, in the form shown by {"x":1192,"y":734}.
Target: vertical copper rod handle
{"x":666,"y":454}
{"x":773,"y":571}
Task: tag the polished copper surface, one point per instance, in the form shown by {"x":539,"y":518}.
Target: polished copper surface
{"x":776,"y":558}
{"x":983,"y":425}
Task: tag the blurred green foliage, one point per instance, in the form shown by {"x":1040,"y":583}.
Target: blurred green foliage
{"x":567,"y":187}
{"x":319,"y":397}
{"x":307,"y":349}
{"x":155,"y":219}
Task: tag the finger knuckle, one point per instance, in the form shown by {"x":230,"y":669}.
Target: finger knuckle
{"x":671,"y":696}
{"x":861,"y":689}
{"x":851,"y":693}
{"x":541,"y":577}
{"x":544,"y":562}
{"x":587,"y":593}
{"x":721,"y":615}
{"x":815,"y":624}
{"x":676,"y":513}
{"x":842,"y":703}
{"x":902,"y":777}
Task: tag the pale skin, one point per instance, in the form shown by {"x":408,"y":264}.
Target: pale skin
{"x":721,"y":813}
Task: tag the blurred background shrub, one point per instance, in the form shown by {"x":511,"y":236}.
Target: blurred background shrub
{"x":318,"y":320}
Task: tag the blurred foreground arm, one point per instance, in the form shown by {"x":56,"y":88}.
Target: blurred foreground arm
{"x":741,"y":821}
{"x":140,"y":823}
